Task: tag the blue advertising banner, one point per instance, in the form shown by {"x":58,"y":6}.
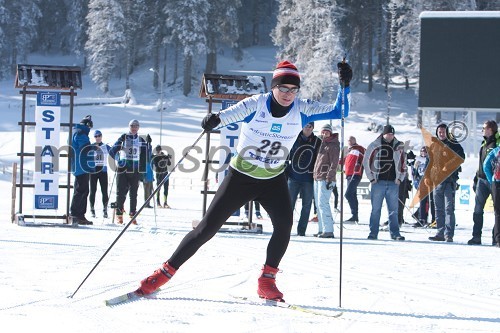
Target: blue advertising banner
{"x":464,"y":194}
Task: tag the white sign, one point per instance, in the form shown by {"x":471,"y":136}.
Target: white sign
{"x":228,"y":141}
{"x":47,"y":129}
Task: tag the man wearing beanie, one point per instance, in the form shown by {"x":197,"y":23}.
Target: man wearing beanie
{"x":269,"y":126}
{"x":82,"y":166}
{"x":130,"y":152}
{"x":325,"y":172}
{"x":385,"y":167}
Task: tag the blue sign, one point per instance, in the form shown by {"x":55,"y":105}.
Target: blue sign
{"x":46,"y":201}
{"x":464,"y":194}
{"x":48,"y":99}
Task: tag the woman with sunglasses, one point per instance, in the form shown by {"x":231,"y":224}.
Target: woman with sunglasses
{"x":271,"y":122}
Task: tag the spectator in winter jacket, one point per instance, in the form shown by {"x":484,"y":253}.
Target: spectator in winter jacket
{"x":101,"y":151}
{"x":491,"y":168}
{"x":353,"y":168}
{"x":418,"y":171}
{"x":491,"y":139}
{"x":446,"y":156}
{"x":161,"y":162}
{"x":325,"y":178}
{"x":300,"y":173}
{"x":82,"y":165}
{"x":147,"y":178}
{"x":385,"y":168}
{"x":131,"y":154}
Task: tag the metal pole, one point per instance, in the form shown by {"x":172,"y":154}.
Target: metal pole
{"x":160,"y":109}
{"x":21,"y":165}
{"x":341,"y":196}
{"x":161,"y":105}
{"x":70,"y":152}
{"x":207,"y":161}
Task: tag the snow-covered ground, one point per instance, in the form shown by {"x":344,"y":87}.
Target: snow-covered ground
{"x":387,"y":286}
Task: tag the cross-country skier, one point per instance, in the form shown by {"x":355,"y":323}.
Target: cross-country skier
{"x":271,"y":122}
{"x":130,"y":152}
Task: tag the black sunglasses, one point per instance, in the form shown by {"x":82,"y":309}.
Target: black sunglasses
{"x":293,"y":90}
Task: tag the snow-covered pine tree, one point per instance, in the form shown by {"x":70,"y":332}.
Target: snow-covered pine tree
{"x":307,"y":34}
{"x":155,"y":30}
{"x":407,"y":37}
{"x":4,"y":48}
{"x":188,"y":21}
{"x":77,"y":26}
{"x":133,"y":17}
{"x":222,"y":27}
{"x":21,"y":30}
{"x":106,"y":36}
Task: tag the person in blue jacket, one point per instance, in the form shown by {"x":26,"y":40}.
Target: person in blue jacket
{"x":148,"y":178}
{"x":491,"y":167}
{"x":82,"y":165}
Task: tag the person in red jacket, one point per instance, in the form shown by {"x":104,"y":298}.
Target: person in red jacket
{"x":353,"y":171}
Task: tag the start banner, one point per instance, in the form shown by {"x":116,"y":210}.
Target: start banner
{"x":47,"y":130}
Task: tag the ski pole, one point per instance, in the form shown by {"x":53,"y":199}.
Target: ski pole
{"x":138,"y":212}
{"x":342,"y":120}
{"x":109,"y":196}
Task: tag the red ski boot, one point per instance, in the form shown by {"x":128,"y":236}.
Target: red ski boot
{"x":156,"y":280}
{"x":267,"y":284}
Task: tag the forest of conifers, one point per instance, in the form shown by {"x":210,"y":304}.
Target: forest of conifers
{"x":110,"y":38}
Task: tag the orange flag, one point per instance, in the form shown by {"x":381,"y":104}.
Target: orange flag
{"x":443,"y":161}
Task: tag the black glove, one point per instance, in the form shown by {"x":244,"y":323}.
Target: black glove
{"x":210,"y":122}
{"x":474,"y":185}
{"x":330,"y":185}
{"x":148,"y":138}
{"x":345,"y":73}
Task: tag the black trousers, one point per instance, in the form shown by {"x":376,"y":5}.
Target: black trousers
{"x":78,"y":206}
{"x":159,"y":178}
{"x":102,"y":178}
{"x":234,"y":192}
{"x":127,"y":182}
{"x":495,"y":192}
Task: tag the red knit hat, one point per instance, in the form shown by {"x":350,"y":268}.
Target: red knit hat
{"x":285,"y":73}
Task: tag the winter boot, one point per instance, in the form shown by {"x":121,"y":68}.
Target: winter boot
{"x":156,"y":280}
{"x":258,"y":215}
{"x":474,"y":241}
{"x":119,"y":215}
{"x":353,"y":218}
{"x":165,"y":205}
{"x":267,"y":284}
{"x":131,"y":215}
{"x":105,"y":213}
{"x":92,"y":212}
